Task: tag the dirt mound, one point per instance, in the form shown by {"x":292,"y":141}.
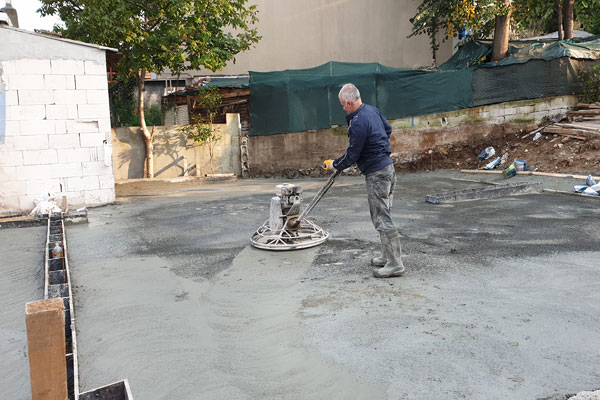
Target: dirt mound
{"x":550,"y":153}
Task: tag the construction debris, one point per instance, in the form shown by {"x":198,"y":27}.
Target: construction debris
{"x":590,"y":188}
{"x":486,"y":192}
{"x":580,"y":124}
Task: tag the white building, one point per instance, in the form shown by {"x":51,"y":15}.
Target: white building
{"x":55,"y":134}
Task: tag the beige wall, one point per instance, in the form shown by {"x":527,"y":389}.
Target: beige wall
{"x":174,"y":154}
{"x":303,"y":34}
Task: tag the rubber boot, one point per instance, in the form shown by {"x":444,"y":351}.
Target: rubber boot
{"x":381,"y":260}
{"x":393,"y":252}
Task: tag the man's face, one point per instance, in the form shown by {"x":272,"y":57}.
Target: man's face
{"x":348,"y":106}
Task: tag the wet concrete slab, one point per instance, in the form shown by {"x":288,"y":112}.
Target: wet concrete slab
{"x":498,"y":302}
{"x":22,"y":281}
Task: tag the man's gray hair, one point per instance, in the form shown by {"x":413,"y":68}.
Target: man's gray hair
{"x":349,"y":92}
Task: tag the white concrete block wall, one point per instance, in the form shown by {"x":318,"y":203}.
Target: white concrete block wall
{"x":56,"y":120}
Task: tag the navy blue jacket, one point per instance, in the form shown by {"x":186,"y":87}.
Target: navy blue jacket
{"x":369,"y":141}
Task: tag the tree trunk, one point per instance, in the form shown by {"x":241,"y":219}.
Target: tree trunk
{"x":149,"y":164}
{"x":501,"y":35}
{"x":568,"y":18}
{"x":559,"y":13}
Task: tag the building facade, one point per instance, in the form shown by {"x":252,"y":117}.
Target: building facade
{"x":55,"y":135}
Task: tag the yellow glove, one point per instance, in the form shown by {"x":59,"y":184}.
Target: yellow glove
{"x":328,"y":165}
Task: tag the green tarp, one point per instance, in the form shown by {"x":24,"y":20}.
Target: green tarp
{"x":519,"y":52}
{"x":300,"y":100}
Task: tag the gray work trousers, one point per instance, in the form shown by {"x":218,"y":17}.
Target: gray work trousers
{"x":380,"y":193}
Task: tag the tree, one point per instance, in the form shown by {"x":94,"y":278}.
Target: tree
{"x":209,"y":101}
{"x":478,"y":16}
{"x":588,"y":13}
{"x":159,"y":34}
{"x":501,"y":34}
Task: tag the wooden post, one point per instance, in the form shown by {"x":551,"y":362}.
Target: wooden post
{"x":45,"y":321}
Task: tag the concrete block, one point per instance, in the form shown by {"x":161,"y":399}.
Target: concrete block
{"x":42,"y":186}
{"x":70,"y":80}
{"x":41,"y":127}
{"x":72,"y":111}
{"x":95,"y":96}
{"x":11,"y":98}
{"x":82,"y":126}
{"x":93,"y":111}
{"x":75,"y":199}
{"x":91,"y":82}
{"x":32,"y":67}
{"x":12,"y":128}
{"x":25,"y":82}
{"x":8,"y":174}
{"x":497,"y":111}
{"x":73,"y":155}
{"x":542,"y":106}
{"x":63,"y":141}
{"x":66,"y":67}
{"x":70,"y":97}
{"x":37,"y":157}
{"x":104,"y":127}
{"x":56,"y":111}
{"x":25,"y":113}
{"x":90,"y":139}
{"x":95,"y":168}
{"x":524,"y":110}
{"x":94,"y":68}
{"x":83,"y":183}
{"x":107,"y":181}
{"x":34,"y":172}
{"x":14,"y":188}
{"x":31,"y":142}
{"x":510,"y":111}
{"x":60,"y":126}
{"x":12,"y":158}
{"x":8,"y":67}
{"x":66,"y":170}
{"x":56,"y":82}
{"x":9,"y":204}
{"x":100,"y":196}
{"x":26,"y":203}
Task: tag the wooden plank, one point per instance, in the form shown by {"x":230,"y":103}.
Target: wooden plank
{"x":45,"y":322}
{"x":537,"y":173}
{"x":567,"y":132}
{"x":580,"y":127}
{"x":592,"y":112}
{"x":592,"y":106}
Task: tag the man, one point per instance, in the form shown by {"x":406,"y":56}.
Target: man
{"x":369,"y":147}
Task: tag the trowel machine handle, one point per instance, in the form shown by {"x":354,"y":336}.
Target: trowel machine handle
{"x":316,"y":199}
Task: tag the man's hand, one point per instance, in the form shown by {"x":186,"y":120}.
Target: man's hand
{"x":328,"y":165}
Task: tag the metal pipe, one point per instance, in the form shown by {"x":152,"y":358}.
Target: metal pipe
{"x":316,"y":199}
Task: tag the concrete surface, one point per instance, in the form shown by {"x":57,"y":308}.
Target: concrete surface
{"x":22,"y":271}
{"x":500,"y":299}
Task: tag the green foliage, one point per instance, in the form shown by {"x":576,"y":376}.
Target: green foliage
{"x":588,"y":13}
{"x":122,"y":102}
{"x":153,"y":115}
{"x":209,"y":100}
{"x":124,"y":105}
{"x":152,"y":36}
{"x":452,"y":15}
{"x":591,"y":84}
{"x":534,"y":17}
